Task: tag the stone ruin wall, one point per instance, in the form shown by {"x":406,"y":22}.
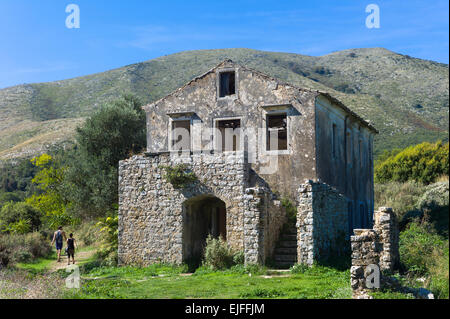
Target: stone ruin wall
{"x":151,"y":210}
{"x":322,"y":223}
{"x":377,"y":246}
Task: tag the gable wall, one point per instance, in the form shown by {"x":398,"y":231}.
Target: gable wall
{"x":253,"y":92}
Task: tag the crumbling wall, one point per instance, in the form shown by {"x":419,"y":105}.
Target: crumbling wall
{"x":374,"y":247}
{"x":322,"y":222}
{"x":151,"y":209}
{"x":263,"y":220}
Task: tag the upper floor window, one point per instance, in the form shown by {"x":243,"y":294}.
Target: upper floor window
{"x":229,"y":138}
{"x":277,"y":132}
{"x":227,"y":83}
{"x":181,"y":135}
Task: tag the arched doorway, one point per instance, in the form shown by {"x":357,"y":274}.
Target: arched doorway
{"x":202,"y":216}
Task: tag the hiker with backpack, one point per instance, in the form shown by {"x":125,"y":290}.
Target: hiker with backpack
{"x":58,"y":238}
{"x":71,"y":245}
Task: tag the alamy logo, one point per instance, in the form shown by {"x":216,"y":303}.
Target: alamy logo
{"x":73,"y":19}
{"x":373,"y":19}
{"x":372,"y":274}
{"x":73,"y":280}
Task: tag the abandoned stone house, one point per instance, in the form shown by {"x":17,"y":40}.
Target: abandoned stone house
{"x":320,"y":159}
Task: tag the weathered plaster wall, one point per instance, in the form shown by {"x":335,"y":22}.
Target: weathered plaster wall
{"x":322,"y":224}
{"x":346,"y":162}
{"x":254,"y":92}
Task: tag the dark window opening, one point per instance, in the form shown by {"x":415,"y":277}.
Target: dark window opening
{"x":229,"y":134}
{"x":349,"y":149}
{"x":227,"y":84}
{"x":333,"y":141}
{"x":181,"y":135}
{"x":277,"y":129}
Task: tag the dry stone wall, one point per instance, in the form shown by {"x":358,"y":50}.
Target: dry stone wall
{"x":377,"y":246}
{"x":322,"y":222}
{"x":151,"y":210}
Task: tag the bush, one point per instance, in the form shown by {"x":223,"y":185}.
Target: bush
{"x":299,"y":268}
{"x":217,"y":254}
{"x":108,"y":250}
{"x":88,"y":233}
{"x":19,"y":218}
{"x":439,"y":272}
{"x":22,"y":248}
{"x":425,"y":253}
{"x":401,"y":197}
{"x":423,"y":163}
{"x":291,"y":210}
{"x":179,"y":175}
{"x":417,"y":243}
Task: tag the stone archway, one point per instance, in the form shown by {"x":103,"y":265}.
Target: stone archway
{"x":202,"y":216}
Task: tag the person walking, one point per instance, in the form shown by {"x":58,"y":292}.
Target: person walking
{"x":58,"y":238}
{"x":71,"y":245}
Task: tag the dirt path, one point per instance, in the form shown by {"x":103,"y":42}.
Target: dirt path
{"x":80,"y":258}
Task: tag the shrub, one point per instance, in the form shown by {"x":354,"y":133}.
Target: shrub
{"x":401,"y":197}
{"x":291,"y":210}
{"x":299,"y":268}
{"x":19,"y":217}
{"x":439,"y":272}
{"x":23,"y":248}
{"x":239,"y":258}
{"x":217,"y":254}
{"x":423,"y":163}
{"x":179,"y":175}
{"x":88,"y":233}
{"x":417,"y":243}
{"x":108,"y":250}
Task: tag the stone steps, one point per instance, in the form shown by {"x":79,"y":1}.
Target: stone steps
{"x":285,"y":251}
{"x":285,"y":254}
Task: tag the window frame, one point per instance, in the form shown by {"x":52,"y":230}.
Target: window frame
{"x":215,"y":138}
{"x":236,"y":84}
{"x":182,"y":118}
{"x":279,"y":110}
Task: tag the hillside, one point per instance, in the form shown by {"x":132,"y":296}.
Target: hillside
{"x":404,"y":97}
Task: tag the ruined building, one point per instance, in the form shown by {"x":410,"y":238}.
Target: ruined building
{"x":253,"y":144}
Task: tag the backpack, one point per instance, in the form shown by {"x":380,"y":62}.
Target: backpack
{"x":58,"y":238}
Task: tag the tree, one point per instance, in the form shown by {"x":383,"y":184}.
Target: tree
{"x":19,"y":218}
{"x":112,"y":134}
{"x":51,"y":202}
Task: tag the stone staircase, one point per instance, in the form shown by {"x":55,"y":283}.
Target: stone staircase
{"x":285,"y":254}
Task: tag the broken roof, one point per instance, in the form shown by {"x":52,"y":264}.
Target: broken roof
{"x":280,"y":82}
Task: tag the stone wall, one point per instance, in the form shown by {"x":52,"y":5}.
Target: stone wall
{"x":377,"y":246}
{"x":152,"y":213}
{"x":151,"y":210}
{"x":263,"y":221}
{"x":322,"y":222}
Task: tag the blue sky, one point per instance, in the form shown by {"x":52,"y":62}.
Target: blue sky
{"x":36,"y":46}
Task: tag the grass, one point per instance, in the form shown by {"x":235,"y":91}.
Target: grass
{"x":168,"y":282}
{"x":42,"y":265}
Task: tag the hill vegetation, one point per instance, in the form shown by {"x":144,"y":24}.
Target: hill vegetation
{"x":404,"y":97}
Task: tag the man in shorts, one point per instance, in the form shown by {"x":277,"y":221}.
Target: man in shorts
{"x":58,"y":237}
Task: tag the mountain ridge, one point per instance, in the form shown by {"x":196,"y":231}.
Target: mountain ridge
{"x":405,"y":98}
